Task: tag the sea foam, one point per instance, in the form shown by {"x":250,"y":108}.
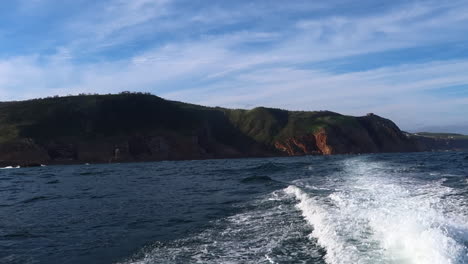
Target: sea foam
{"x":378,"y":218}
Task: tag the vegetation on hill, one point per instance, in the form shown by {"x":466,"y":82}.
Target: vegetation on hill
{"x":136,"y":127}
{"x":98,"y":116}
{"x":268,"y":125}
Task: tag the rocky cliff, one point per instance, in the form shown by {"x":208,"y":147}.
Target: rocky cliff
{"x":140,"y":127}
{"x":368,"y":134}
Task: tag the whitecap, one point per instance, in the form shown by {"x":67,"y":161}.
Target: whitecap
{"x":11,"y":167}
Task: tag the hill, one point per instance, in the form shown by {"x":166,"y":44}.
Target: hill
{"x":441,"y":135}
{"x":440,"y":141}
{"x":143,"y":127}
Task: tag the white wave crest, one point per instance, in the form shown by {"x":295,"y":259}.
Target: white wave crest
{"x":10,"y":167}
{"x":325,"y":230}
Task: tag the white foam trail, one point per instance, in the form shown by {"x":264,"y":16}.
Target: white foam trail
{"x":375,"y":218}
{"x":325,"y":230}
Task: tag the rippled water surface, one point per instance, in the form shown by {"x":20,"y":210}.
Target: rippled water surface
{"x":385,"y":208}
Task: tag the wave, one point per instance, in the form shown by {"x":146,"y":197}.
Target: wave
{"x":10,"y":167}
{"x":269,"y":167}
{"x":366,"y":212}
{"x":39,"y":198}
{"x":377,"y":218}
{"x":95,"y":172}
{"x":325,"y":230}
{"x":264,"y":168}
{"x":257,"y":179}
{"x":273,"y":232}
{"x":53,"y":182}
{"x":20,"y":234}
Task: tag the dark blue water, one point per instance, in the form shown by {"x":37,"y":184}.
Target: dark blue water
{"x":386,"y":208}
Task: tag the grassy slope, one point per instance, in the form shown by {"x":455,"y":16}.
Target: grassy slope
{"x":267,"y":125}
{"x":89,"y":116}
{"x":100,"y":117}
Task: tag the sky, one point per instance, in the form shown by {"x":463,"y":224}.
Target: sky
{"x":406,"y":60}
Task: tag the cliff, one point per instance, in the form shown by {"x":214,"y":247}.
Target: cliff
{"x":140,"y":127}
{"x":331,"y":133}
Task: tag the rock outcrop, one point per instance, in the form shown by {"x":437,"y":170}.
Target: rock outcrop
{"x":371,"y":134}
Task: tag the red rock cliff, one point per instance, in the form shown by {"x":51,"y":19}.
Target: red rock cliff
{"x":371,"y":134}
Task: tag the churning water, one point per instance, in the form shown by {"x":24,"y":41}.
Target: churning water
{"x":385,"y":208}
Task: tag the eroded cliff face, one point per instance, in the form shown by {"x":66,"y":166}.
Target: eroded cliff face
{"x":372,"y":134}
{"x":299,"y":145}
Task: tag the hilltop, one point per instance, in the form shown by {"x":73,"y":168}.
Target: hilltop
{"x":143,"y":127}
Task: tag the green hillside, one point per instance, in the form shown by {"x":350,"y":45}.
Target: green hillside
{"x":267,"y":125}
{"x":137,"y":127}
{"x":98,"y":116}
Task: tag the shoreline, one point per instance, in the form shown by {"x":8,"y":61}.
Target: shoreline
{"x":36,"y":165}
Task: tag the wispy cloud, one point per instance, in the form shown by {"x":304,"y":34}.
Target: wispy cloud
{"x":240,"y":54}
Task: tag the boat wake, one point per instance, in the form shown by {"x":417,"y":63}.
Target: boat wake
{"x":366,"y":212}
{"x":375,"y":217}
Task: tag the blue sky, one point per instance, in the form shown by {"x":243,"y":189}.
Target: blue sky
{"x":405,"y":60}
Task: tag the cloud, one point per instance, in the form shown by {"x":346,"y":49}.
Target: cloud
{"x":245,"y":54}
{"x":399,"y":92}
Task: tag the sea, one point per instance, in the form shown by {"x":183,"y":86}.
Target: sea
{"x":343,"y":209}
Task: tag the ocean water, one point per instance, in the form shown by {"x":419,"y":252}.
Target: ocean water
{"x":383,"y":208}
